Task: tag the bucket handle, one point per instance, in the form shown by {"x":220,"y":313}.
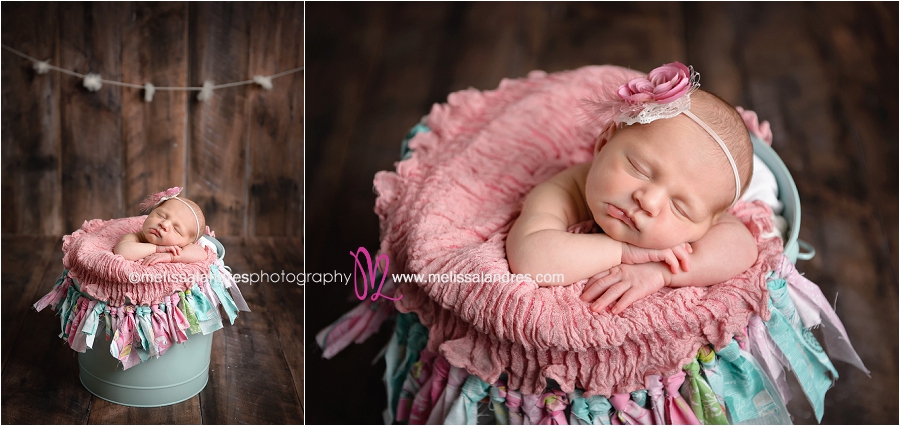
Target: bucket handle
{"x":807,"y":251}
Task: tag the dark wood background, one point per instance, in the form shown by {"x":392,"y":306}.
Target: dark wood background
{"x":69,"y":155}
{"x":823,"y":74}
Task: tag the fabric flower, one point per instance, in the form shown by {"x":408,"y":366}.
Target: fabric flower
{"x":760,"y":129}
{"x":663,"y":85}
{"x":156,"y":199}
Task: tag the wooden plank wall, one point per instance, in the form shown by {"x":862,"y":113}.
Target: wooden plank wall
{"x":69,"y":154}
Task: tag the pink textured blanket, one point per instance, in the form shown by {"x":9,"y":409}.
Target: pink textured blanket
{"x":108,"y":277}
{"x":449,"y":207}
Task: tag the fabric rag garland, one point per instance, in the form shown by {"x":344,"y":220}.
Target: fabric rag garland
{"x":140,"y":332}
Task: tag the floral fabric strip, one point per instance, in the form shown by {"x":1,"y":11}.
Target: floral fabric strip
{"x":415,"y":379}
{"x":810,"y":364}
{"x":749,"y":396}
{"x":497,"y":392}
{"x":703,"y":401}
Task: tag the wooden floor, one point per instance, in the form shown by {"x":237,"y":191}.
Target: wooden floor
{"x":256,"y":370}
{"x":823,"y":74}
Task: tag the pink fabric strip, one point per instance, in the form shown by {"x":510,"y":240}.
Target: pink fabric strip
{"x":814,"y":310}
{"x":657,"y":399}
{"x":678,"y":411}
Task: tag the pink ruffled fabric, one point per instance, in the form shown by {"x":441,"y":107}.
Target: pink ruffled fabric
{"x":105,"y":275}
{"x":449,"y":207}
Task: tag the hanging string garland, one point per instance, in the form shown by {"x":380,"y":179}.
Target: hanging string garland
{"x":93,"y":82}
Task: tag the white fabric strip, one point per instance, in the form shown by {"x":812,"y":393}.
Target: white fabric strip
{"x":737,"y":178}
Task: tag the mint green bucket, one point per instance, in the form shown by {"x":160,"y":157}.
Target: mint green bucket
{"x":172,"y":378}
{"x":790,"y":197}
{"x":178,"y":375}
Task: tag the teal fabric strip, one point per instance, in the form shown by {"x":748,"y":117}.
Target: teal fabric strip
{"x":67,"y":309}
{"x":201,"y":304}
{"x":464,"y":410}
{"x":219,"y":288}
{"x":600,"y":407}
{"x":397,"y":356}
{"x":590,"y":411}
{"x":640,"y":398}
{"x":810,"y":364}
{"x":416,"y":340}
{"x":579,"y":413}
{"x":405,"y":151}
{"x":746,"y":394}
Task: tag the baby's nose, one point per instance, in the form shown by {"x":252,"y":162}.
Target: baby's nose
{"x":651,"y":200}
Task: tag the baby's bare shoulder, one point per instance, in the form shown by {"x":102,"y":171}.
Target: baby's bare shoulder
{"x":130,"y":238}
{"x":561,"y":196}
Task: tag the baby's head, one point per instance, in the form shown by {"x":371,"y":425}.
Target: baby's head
{"x":663,"y":183}
{"x":172,"y":220}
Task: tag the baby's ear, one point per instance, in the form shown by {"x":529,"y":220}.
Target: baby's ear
{"x":604,"y":137}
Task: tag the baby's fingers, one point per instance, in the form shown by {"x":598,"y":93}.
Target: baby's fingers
{"x":598,"y":284}
{"x":609,"y":296}
{"x":630,"y":296}
{"x":672,"y":260}
{"x":683,"y":253}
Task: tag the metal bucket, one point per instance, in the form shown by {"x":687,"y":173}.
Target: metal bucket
{"x":790,"y":197}
{"x":172,"y":378}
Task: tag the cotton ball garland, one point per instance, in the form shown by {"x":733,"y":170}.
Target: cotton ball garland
{"x":265,"y":82}
{"x":42,"y":67}
{"x":206,"y":92}
{"x":149,"y":90}
{"x":93,"y":82}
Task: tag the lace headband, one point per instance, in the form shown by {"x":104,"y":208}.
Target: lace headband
{"x":665,"y":93}
{"x":160,"y":197}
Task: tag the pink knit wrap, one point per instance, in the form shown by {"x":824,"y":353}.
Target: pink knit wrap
{"x":105,"y":275}
{"x":449,"y":207}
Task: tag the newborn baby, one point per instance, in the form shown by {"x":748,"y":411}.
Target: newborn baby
{"x":169,"y":234}
{"x":659,"y":186}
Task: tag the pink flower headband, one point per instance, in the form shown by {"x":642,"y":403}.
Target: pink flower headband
{"x":154,"y":200}
{"x":665,"y":93}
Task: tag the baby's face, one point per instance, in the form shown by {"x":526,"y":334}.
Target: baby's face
{"x":658,"y":185}
{"x":170,"y":224}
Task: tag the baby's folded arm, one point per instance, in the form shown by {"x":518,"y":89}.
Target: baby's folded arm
{"x":727,"y":250}
{"x":131,"y":249}
{"x":551,"y":251}
{"x":539,"y":244}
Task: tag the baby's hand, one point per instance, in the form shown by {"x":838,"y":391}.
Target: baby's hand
{"x":175,"y":250}
{"x":625,"y":283}
{"x":155,"y":258}
{"x":676,"y":257}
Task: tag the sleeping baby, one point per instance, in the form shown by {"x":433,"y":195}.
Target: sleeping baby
{"x":170,"y":232}
{"x":659,"y":186}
